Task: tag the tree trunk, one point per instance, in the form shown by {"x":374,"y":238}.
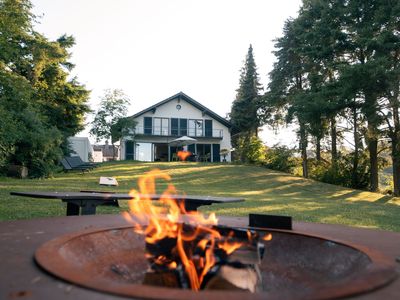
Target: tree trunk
{"x":396,"y":166}
{"x":373,"y":158}
{"x":303,"y":149}
{"x":372,"y":139}
{"x":396,"y":147}
{"x":334,"y":140}
{"x":113,"y":146}
{"x":318,"y":149}
{"x":354,"y":173}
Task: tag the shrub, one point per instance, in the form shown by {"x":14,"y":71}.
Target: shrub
{"x":250,"y":149}
{"x":342,"y":173}
{"x":280,"y":158}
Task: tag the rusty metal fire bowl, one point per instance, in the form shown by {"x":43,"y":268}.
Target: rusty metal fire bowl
{"x":295,"y":266}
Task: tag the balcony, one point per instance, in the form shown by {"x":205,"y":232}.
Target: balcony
{"x":192,"y":132}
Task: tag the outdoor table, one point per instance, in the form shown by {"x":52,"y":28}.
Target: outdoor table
{"x":88,"y":201}
{"x":22,"y":278}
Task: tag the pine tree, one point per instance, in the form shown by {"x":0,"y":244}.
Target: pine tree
{"x":244,"y":110}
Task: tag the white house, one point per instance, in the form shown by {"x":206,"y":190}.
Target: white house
{"x":171,"y":118}
{"x":81,"y":147}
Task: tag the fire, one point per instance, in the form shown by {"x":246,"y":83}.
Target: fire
{"x":183,"y":155}
{"x":165,"y":222}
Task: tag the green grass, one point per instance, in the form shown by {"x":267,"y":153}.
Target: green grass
{"x":265,"y":191}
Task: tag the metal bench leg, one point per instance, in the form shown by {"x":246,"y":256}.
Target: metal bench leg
{"x":89,"y":208}
{"x":192,"y":206}
{"x":72,"y":209}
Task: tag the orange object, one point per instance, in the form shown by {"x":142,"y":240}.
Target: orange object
{"x":183,"y":155}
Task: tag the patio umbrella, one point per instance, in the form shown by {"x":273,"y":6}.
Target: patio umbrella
{"x":182,"y":141}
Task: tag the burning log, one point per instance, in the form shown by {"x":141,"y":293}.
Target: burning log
{"x":233,"y":278}
{"x":233,"y":267}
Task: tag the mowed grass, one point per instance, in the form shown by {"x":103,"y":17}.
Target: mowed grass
{"x":265,"y":191}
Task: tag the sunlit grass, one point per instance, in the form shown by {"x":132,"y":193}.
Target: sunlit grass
{"x":265,"y":191}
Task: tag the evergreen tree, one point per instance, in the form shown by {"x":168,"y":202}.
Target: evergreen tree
{"x":244,"y":111}
{"x":340,"y":58}
{"x":286,"y":98}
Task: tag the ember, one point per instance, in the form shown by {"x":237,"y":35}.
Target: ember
{"x":188,"y":249}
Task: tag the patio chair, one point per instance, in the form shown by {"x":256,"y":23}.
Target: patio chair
{"x":205,"y":157}
{"x":76,"y":161}
{"x":67,"y":167}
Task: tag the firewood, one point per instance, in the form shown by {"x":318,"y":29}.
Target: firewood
{"x":231,"y":278}
{"x":164,"y":279}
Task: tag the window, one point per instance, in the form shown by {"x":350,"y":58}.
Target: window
{"x":183,"y":126}
{"x":208,"y":128}
{"x":196,"y":128}
{"x":148,"y":128}
{"x":161,"y":126}
{"x":174,"y":126}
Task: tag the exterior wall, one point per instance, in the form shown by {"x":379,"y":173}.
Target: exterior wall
{"x":187,"y":111}
{"x":81,"y":146}
{"x":98,"y":156}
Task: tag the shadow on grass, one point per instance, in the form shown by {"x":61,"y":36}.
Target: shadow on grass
{"x":265,"y":191}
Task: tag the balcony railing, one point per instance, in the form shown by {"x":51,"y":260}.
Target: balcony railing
{"x":158,"y":131}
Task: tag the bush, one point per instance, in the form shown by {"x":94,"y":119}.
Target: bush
{"x":38,"y":148}
{"x":342,"y":173}
{"x":280,"y":158}
{"x":250,"y":149}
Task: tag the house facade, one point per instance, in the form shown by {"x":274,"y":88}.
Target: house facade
{"x":172,"y":118}
{"x":81,"y":147}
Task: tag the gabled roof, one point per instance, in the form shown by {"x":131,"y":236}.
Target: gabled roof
{"x":183,"y":96}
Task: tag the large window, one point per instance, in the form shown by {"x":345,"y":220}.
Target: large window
{"x":196,"y":128}
{"x":179,"y":126}
{"x":160,"y":126}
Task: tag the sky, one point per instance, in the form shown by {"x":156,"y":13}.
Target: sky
{"x":153,"y":49}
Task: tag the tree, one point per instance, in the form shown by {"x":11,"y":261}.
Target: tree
{"x":338,"y":57}
{"x":109,"y":122}
{"x":35,"y":93}
{"x":244,"y":111}
{"x":286,"y":90}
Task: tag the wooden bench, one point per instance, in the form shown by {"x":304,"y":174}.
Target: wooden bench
{"x":85,"y":203}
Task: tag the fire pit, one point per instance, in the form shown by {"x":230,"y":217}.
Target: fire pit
{"x":170,"y":253}
{"x":295,"y":266}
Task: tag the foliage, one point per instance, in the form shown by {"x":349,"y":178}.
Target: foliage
{"x":39,"y":106}
{"x":280,"y":158}
{"x":124,"y":127}
{"x":113,"y":108}
{"x":336,"y":57}
{"x":244,"y":117}
{"x":250,"y":149}
{"x":342,"y":172}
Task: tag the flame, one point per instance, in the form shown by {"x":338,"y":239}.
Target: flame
{"x":183,"y":155}
{"x":166,"y":221}
{"x":267,"y":237}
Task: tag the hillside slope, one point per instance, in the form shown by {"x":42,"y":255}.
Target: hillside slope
{"x":265,"y":191}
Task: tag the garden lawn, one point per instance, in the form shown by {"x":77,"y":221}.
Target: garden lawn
{"x":265,"y":191}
